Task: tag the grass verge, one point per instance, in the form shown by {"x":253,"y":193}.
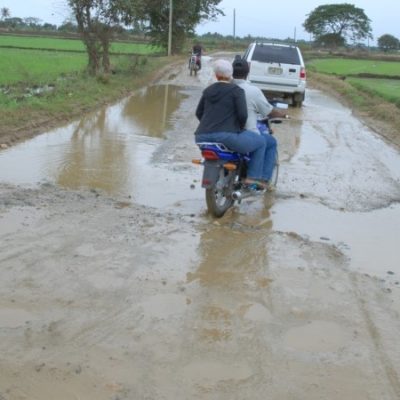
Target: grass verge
{"x":388,"y":89}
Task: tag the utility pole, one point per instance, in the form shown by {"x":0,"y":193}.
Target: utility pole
{"x":234,"y":23}
{"x":295,"y":34}
{"x":170,"y":28}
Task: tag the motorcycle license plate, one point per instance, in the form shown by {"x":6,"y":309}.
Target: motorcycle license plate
{"x":275,"y":71}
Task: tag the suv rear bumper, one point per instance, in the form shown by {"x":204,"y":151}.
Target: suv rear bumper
{"x":277,"y":88}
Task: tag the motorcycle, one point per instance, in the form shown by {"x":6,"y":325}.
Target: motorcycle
{"x":194,"y":64}
{"x":225,"y":172}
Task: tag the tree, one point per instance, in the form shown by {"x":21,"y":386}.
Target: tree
{"x":97,"y":20}
{"x":340,"y":20}
{"x":14,"y":22}
{"x":5,"y":12}
{"x":32,"y":22}
{"x":49,"y":27}
{"x":330,"y":40}
{"x":68,"y":26}
{"x":186,"y":15}
{"x":388,"y":42}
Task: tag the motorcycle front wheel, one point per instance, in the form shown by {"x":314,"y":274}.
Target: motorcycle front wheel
{"x":275,"y":172}
{"x":193,"y":69}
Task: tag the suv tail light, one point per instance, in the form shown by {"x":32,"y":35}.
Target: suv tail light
{"x":302,"y":73}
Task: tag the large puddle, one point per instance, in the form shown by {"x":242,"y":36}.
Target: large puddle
{"x":370,"y":239}
{"x":112,"y":150}
{"x":108,"y":150}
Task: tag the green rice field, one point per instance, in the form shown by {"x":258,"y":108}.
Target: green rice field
{"x":25,"y":59}
{"x":36,"y":42}
{"x":340,"y":66}
{"x":386,"y":88}
{"x":37,"y":67}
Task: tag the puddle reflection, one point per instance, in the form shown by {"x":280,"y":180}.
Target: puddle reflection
{"x":92,"y":158}
{"x":106,"y":150}
{"x":150,"y":109}
{"x":234,"y":252}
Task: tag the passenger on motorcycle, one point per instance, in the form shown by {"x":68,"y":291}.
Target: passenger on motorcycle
{"x":222,"y":112}
{"x":257,"y":108}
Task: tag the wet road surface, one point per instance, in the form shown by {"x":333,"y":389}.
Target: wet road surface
{"x":334,"y":171}
{"x":127,"y":288}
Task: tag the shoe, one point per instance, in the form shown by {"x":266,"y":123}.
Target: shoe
{"x":269,"y":187}
{"x":255,"y":184}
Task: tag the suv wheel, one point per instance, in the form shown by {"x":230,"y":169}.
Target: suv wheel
{"x":297,"y":99}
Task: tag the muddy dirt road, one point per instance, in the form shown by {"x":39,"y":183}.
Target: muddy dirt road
{"x":116,"y":284}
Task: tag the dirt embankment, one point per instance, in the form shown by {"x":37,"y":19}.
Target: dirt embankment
{"x":379,"y":115}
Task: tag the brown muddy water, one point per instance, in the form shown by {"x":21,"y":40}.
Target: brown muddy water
{"x":109,"y":150}
{"x":113,"y":150}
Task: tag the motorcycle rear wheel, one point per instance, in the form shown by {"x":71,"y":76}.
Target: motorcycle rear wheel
{"x":219,"y":197}
{"x":218,"y":202}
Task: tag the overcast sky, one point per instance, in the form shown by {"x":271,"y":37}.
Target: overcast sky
{"x":277,"y":19}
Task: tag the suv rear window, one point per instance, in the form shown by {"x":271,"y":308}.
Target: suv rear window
{"x":276,"y":54}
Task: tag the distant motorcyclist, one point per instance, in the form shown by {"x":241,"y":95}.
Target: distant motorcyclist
{"x":198,"y":49}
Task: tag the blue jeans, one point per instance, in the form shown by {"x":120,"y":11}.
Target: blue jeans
{"x":245,"y":142}
{"x":269,"y":156}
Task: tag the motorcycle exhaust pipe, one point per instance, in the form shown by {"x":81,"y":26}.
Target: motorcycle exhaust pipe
{"x":237,"y":195}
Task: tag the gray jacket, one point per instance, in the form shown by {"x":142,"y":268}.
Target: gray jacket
{"x":257,"y":105}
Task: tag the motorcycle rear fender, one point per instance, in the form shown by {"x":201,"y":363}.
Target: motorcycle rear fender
{"x":211,"y":173}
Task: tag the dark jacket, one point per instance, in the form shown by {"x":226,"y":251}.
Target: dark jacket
{"x":197,"y":49}
{"x":222,"y":108}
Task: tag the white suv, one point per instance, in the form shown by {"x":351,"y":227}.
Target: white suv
{"x":278,"y":70}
